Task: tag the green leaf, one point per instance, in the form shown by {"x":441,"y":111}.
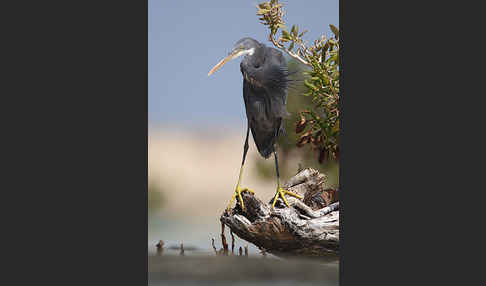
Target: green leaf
{"x":333,"y":58}
{"x":335,"y":128}
{"x":326,"y":81}
{"x":295,"y":31}
{"x":335,"y":75}
{"x":334,"y":30}
{"x":309,"y":85}
{"x":291,"y":47}
{"x":285,"y":34}
{"x":325,"y":47}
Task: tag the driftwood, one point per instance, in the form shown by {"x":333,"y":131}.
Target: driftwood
{"x":309,"y":227}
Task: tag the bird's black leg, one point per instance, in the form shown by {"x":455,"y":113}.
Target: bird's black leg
{"x":238,"y":190}
{"x":281,"y":191}
{"x":276,"y":167}
{"x":245,"y":150}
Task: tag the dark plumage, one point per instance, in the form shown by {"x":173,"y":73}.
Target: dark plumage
{"x":265,"y":81}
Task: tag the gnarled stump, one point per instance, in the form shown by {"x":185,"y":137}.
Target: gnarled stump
{"x":309,"y":227}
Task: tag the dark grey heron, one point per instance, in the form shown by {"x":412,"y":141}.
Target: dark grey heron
{"x":265,"y":83}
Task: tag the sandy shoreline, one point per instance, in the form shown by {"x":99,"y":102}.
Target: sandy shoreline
{"x":198,"y":173}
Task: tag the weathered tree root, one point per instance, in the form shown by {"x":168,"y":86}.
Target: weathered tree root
{"x":309,"y":227}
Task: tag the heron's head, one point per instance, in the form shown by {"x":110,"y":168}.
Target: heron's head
{"x":245,"y":46}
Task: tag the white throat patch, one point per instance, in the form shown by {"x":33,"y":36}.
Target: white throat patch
{"x":244,"y":52}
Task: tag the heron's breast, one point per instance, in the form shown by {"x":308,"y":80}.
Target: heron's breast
{"x":252,"y":80}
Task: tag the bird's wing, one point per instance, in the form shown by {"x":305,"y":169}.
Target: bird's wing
{"x":265,"y":126}
{"x":270,"y":82}
{"x":275,"y":80}
{"x":265,"y":95}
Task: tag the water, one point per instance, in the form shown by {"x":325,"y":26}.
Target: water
{"x":170,"y":269}
{"x":201,"y":266}
{"x":193,"y":234}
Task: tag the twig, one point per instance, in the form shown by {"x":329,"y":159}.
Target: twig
{"x":232,"y":242}
{"x":214,"y":247}
{"x":263,"y":252}
{"x":223,"y":240}
{"x":160,"y":247}
{"x":295,"y":230}
{"x":291,"y":54}
{"x":315,"y":214}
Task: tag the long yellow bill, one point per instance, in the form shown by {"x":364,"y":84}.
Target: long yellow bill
{"x":220,"y":64}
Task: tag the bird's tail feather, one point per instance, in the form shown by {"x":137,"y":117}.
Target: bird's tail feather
{"x":265,"y":140}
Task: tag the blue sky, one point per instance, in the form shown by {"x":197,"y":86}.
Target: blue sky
{"x":187,"y":38}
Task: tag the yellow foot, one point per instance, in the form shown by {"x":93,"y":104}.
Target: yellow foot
{"x":282,"y":193}
{"x":238,"y":192}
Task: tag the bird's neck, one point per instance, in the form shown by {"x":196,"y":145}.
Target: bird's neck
{"x":258,"y":56}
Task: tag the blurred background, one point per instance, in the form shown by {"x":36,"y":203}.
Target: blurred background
{"x":197,"y":123}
